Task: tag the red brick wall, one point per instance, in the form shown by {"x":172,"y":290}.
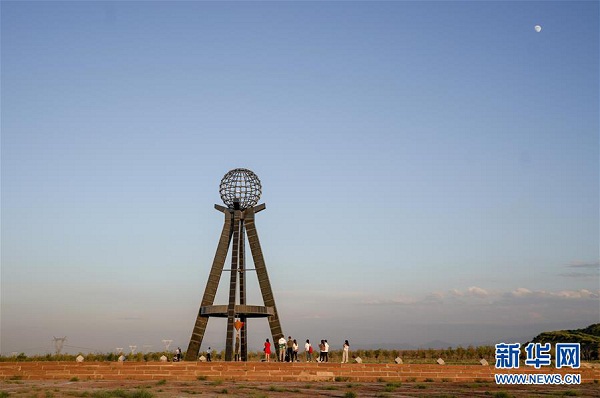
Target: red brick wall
{"x":258,"y":371}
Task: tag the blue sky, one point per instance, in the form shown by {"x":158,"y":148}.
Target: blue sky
{"x":430,"y":169}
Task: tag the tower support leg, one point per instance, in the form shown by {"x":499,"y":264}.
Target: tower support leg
{"x":211,"y":286}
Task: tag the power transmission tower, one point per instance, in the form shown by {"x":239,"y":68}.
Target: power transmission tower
{"x":58,"y":344}
{"x":167,"y":344}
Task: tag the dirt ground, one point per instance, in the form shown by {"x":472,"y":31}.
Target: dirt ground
{"x":138,"y":389}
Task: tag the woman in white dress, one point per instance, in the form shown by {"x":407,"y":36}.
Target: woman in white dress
{"x":345,"y":352}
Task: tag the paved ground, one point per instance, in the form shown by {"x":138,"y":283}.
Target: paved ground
{"x":164,"y":389}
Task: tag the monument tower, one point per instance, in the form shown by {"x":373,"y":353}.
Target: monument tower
{"x":240,"y":191}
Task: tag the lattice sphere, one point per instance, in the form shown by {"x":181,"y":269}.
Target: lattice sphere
{"x":241,"y":184}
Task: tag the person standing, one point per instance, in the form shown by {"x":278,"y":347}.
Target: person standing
{"x":267,"y":350}
{"x":281,"y":352}
{"x":178,"y":354}
{"x":295,"y":351}
{"x":322,"y":351}
{"x":208,"y":358}
{"x":345,"y":352}
{"x":308,"y":351}
{"x":290,"y":349}
{"x":237,"y":357}
{"x":326,"y":351}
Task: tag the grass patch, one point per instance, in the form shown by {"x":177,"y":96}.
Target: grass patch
{"x":389,"y":388}
{"x":201,"y":378}
{"x":161,"y":382}
{"x":421,"y":386}
{"x":140,"y":394}
{"x":341,"y":378}
{"x":258,"y":395}
{"x":191,"y":392}
{"x":75,"y":378}
{"x":411,"y":379}
{"x":216,"y":382}
{"x":381,"y":380}
{"x":118,"y":393}
{"x":428,"y":380}
{"x":570,"y":393}
{"x":502,"y":394}
{"x":223,"y":391}
{"x":307,"y":386}
{"x":276,"y":389}
{"x":331,"y":388}
{"x":16,"y":378}
{"x":445,"y":380}
{"x":3,"y":394}
{"x":350,"y":394}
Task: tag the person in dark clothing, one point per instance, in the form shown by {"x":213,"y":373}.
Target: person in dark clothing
{"x":290,"y":349}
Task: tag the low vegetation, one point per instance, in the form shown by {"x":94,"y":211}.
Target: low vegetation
{"x":451,"y":355}
{"x":588,"y":337}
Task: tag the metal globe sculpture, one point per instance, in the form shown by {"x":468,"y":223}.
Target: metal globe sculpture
{"x":240,"y":186}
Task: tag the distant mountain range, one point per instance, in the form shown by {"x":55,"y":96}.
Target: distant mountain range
{"x":588,"y":337}
{"x":438,"y":344}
